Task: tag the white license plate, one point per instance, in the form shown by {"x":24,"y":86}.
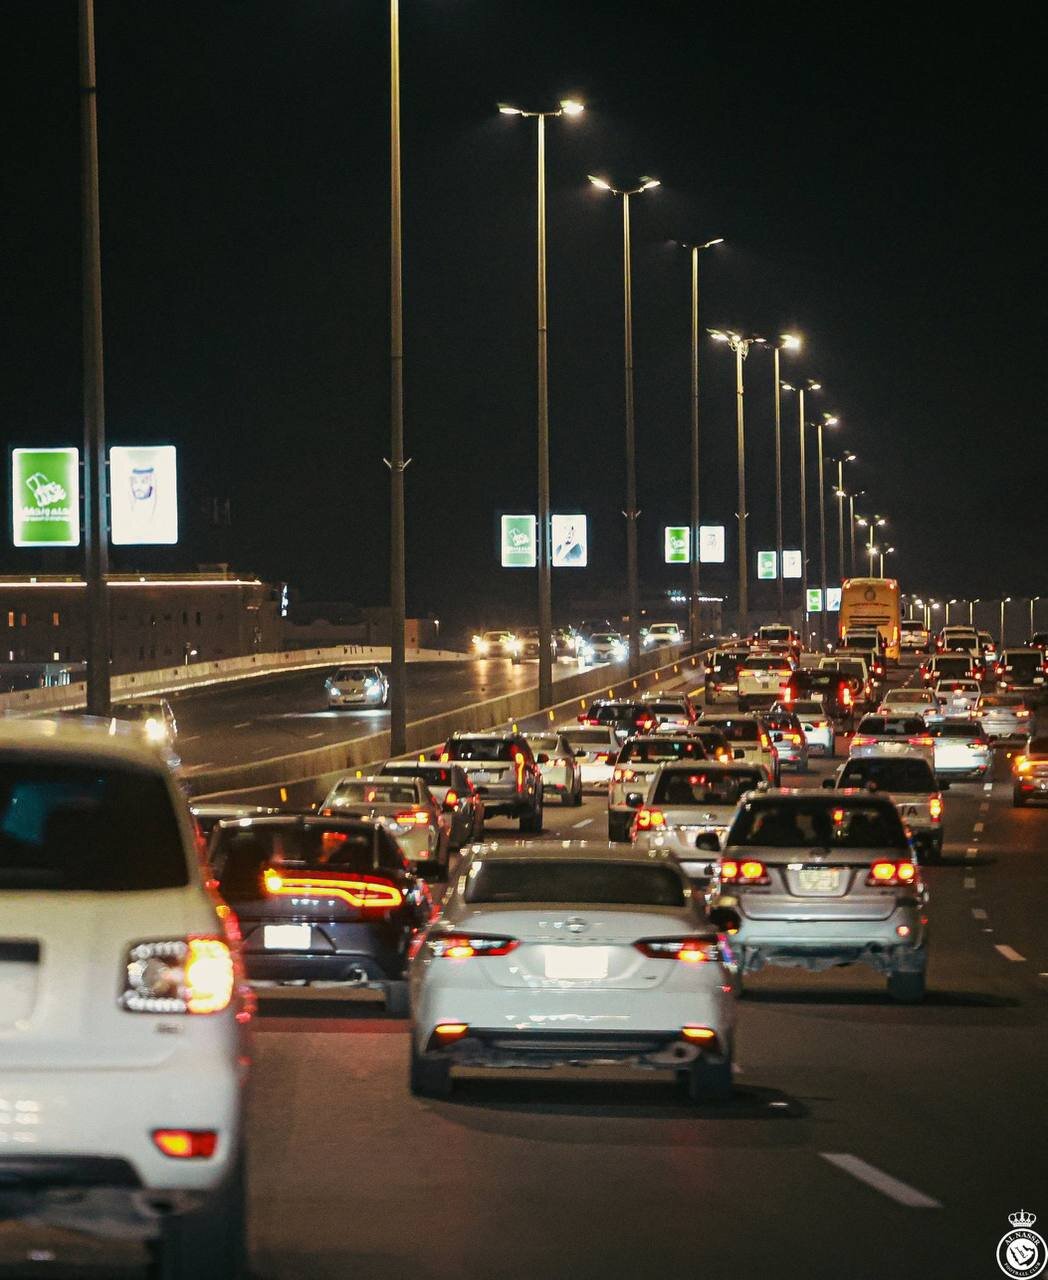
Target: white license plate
{"x":287,"y":937}
{"x":577,"y":964}
{"x":819,"y":880}
{"x":481,"y":776}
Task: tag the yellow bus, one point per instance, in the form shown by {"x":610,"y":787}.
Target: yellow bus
{"x":871,"y":602}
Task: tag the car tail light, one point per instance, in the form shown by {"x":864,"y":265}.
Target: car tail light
{"x":466,"y":946}
{"x":186,"y":1144}
{"x":1023,"y":714}
{"x":887,"y":872}
{"x":846,"y":696}
{"x":414,"y":818}
{"x":648,"y":818}
{"x":372,"y":895}
{"x":921,"y":742}
{"x":862,"y":740}
{"x":744,"y":871}
{"x":450,"y":1031}
{"x":935,"y":808}
{"x":451,"y":798}
{"x":821,"y":724}
{"x":1022,"y":765}
{"x":977,"y":744}
{"x":624,"y":775}
{"x":765,"y":742}
{"x":644,"y":723}
{"x":688,"y":950}
{"x":602,"y":757}
{"x":182,"y":975}
{"x":701,"y":1035}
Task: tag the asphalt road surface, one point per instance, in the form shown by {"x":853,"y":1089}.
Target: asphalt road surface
{"x":865,"y":1139}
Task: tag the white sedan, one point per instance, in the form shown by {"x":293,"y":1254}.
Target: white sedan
{"x":910,"y":702}
{"x":571,"y":954}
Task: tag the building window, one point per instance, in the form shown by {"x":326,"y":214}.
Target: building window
{"x":56,"y":619}
{"x":185,"y":618}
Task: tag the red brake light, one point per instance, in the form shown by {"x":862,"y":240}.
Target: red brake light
{"x":846,"y":696}
{"x":935,"y":808}
{"x":362,"y":892}
{"x":921,"y":742}
{"x":648,"y":818}
{"x":886,"y":872}
{"x":862,"y":740}
{"x":688,"y":950}
{"x":186,"y":1144}
{"x":451,"y":798}
{"x":464,"y":946}
{"x":602,"y":757}
{"x":748,"y":871}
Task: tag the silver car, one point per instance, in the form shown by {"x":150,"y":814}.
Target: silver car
{"x":911,"y":702}
{"x":450,"y":787}
{"x":405,"y":808}
{"x":357,"y":687}
{"x":638,"y":761}
{"x":689,"y":808}
{"x":672,"y":710}
{"x":817,"y":880}
{"x":962,"y":749}
{"x":817,"y":726}
{"x":913,"y":788}
{"x":892,"y":735}
{"x":596,"y":748}
{"x":957,"y":698}
{"x":604,"y":646}
{"x":561,"y":772}
{"x":1004,"y":716}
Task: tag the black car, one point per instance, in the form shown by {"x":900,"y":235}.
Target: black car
{"x":321,"y":899}
{"x":625,"y":718}
{"x":722,"y":674}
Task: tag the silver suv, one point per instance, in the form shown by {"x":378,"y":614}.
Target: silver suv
{"x":818,"y":880}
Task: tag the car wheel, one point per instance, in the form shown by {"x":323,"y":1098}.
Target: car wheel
{"x":618,"y":832}
{"x":708,"y":1080}
{"x":907,"y":988}
{"x":531,"y":822}
{"x":397,"y":998}
{"x":209,"y":1243}
{"x":1018,"y":799}
{"x":578,"y":791}
{"x":430,"y":1075}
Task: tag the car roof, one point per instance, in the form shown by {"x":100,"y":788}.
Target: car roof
{"x":802,"y":795}
{"x":496,"y":735}
{"x":381,"y":778}
{"x":299,"y":820}
{"x":80,"y":737}
{"x":572,"y":851}
{"x":716,"y":766}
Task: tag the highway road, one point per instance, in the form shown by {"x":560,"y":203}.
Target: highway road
{"x":864,"y":1139}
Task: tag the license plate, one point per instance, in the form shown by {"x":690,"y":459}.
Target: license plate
{"x":909,"y":811}
{"x":287,"y":937}
{"x":577,"y":964}
{"x":819,"y":880}
{"x":481,"y":775}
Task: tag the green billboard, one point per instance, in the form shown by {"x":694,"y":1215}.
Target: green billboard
{"x":767,"y":563}
{"x":518,"y":542}
{"x":814,"y":600}
{"x":45,"y":497}
{"x":678,"y":544}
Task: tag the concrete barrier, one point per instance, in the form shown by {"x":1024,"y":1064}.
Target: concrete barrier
{"x":305,"y":777}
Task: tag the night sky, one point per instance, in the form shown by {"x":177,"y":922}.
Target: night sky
{"x":876,"y":174}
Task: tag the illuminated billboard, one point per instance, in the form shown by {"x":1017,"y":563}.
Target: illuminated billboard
{"x":711,"y":543}
{"x":143,"y":495}
{"x":791,"y":564}
{"x":677,"y":544}
{"x":45,"y":497}
{"x":518,"y":542}
{"x":569,"y":542}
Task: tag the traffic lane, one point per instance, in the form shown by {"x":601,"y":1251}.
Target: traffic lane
{"x":275,"y":715}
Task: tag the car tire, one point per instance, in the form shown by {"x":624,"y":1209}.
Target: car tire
{"x":578,"y":793}
{"x":531,"y":822}
{"x":397,"y":998}
{"x":933,"y":851}
{"x":708,"y":1080}
{"x":209,"y":1243}
{"x":618,"y":832}
{"x":1018,"y":799}
{"x":907,"y":988}
{"x":429,"y":1075}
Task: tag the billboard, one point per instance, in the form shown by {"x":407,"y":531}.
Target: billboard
{"x":143,"y":495}
{"x":518,"y":542}
{"x":814,"y":603}
{"x":677,"y":544}
{"x":791,"y":564}
{"x":767,"y":564}
{"x":711,"y":543}
{"x":833,"y":599}
{"x":45,"y":497}
{"x":569,"y":543}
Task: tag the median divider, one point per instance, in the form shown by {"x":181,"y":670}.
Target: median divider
{"x":303,"y":778}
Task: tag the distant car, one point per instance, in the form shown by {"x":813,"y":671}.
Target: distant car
{"x":816,"y":726}
{"x":722,"y":674}
{"x":564,"y":642}
{"x":671,"y":710}
{"x":406,"y":808}
{"x":910,"y":701}
{"x":625,"y":717}
{"x":957,"y":698}
{"x":150,"y":717}
{"x":913,"y":636}
{"x":1022,"y":671}
{"x":962,"y":749}
{"x":858,"y":674}
{"x":1004,"y":716}
{"x":659,"y":633}
{"x":762,"y":680}
{"x":561,"y":771}
{"x":1030,"y":772}
{"x":636,"y":764}
{"x":321,"y":899}
{"x":892,"y":736}
{"x":505,"y":772}
{"x":524,"y":647}
{"x":820,"y":880}
{"x":948,"y":666}
{"x":357,"y":687}
{"x":688,"y":809}
{"x":710,"y":735}
{"x":450,"y":787}
{"x":603,"y":647}
{"x":596,"y":748}
{"x":562,"y":954}
{"x":958,"y":639}
{"x":494,"y":644}
{"x":988,"y":649}
{"x":749,"y":740}
{"x":913,"y":788}
{"x":788,"y":737}
{"x":208,"y":816}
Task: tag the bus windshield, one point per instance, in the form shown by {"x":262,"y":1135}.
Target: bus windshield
{"x":868,"y":603}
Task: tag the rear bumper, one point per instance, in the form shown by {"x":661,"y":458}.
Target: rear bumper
{"x":824,"y":944}
{"x":355,"y":970}
{"x":542,"y":1050}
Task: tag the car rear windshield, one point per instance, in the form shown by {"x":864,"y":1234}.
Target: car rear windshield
{"x":1023,"y":661}
{"x":908,"y":625}
{"x":667,"y":708}
{"x":480,"y":749}
{"x":705,"y":786}
{"x":239,"y":853}
{"x":592,"y":739}
{"x":809,"y":709}
{"x":973,"y":731}
{"x":572,"y":883}
{"x":851,"y":669}
{"x":433,"y":775}
{"x":909,"y":775}
{"x":738,"y":730}
{"x":902,"y":697}
{"x":658,"y":750}
{"x":958,"y":686}
{"x":352,"y":791}
{"x":613,"y":712}
{"x":891,"y":726}
{"x":765,"y":664}
{"x":1001,"y":700}
{"x":726,"y":661}
{"x":543,"y":741}
{"x":87,"y":827}
{"x":774,"y":633}
{"x":815,"y":824}
{"x":950,"y":665}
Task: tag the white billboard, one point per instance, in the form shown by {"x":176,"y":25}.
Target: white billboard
{"x":791,"y":564}
{"x":143,"y":495}
{"x":569,"y":542}
{"x":711,"y":543}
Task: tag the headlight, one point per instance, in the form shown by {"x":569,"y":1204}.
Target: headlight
{"x":515,"y":646}
{"x":335,"y":690}
{"x":155,"y":730}
{"x":588,"y":651}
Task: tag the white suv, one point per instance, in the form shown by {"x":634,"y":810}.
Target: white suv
{"x":123,"y":1013}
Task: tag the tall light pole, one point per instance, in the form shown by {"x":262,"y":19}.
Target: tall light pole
{"x":841,"y":459}
{"x":568,"y":107}
{"x":1033,"y":629}
{"x":870,"y":524}
{"x":631,"y":512}
{"x":851,"y":526}
{"x":694,"y":611}
{"x":828,"y":420}
{"x":882,"y":552}
{"x":96,"y":547}
{"x":741,"y":346}
{"x":971,"y":611}
{"x":802,"y":437}
{"x":786,"y":342}
{"x":1004,"y":600}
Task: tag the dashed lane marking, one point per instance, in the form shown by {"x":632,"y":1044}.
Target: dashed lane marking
{"x":244,"y":724}
{"x":315,"y":735}
{"x":979,"y":913}
{"x":972,"y":851}
{"x":584,"y":823}
{"x":979,"y":826}
{"x":987,"y":786}
{"x":883,"y":1182}
{"x":969,"y":882}
{"x":1009,"y":953}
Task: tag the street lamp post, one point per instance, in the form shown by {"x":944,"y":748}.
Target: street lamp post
{"x":1033,"y":629}
{"x":828,"y":420}
{"x":694,"y":610}
{"x":1004,"y":600}
{"x":741,"y":347}
{"x":851,"y":526}
{"x":884,"y":551}
{"x":631,"y":512}
{"x":971,"y":611}
{"x":542,"y":524}
{"x":841,"y":495}
{"x":801,"y":435}
{"x":786,"y":342}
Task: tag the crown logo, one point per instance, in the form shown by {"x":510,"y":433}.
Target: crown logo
{"x":1022,"y":1218}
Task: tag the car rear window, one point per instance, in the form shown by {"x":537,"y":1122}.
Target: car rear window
{"x":573,"y":883}
{"x":815,"y":824}
{"x":591,"y":739}
{"x":352,"y":791}
{"x":947,"y":666}
{"x":613,"y":712}
{"x":239,"y":853}
{"x":774,"y":633}
{"x":658,"y":750}
{"x":1038,"y":746}
{"x":908,"y":775}
{"x":904,"y":697}
{"x":667,"y":708}
{"x":705,"y":786}
{"x":738,"y":730}
{"x":891,"y":726}
{"x":433,"y":775}
{"x":480,"y":749}
{"x":543,"y":741}
{"x":765,"y":664}
{"x":969,"y":729}
{"x":809,"y":708}
{"x":69,"y":827}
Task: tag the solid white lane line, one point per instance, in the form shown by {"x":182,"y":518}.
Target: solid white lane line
{"x":584,"y":823}
{"x":979,"y":913}
{"x":1009,"y":953}
{"x":244,"y":724}
{"x":883,"y":1182}
{"x":315,"y":735}
{"x":979,"y":826}
{"x":969,"y":882}
{"x":189,"y":737}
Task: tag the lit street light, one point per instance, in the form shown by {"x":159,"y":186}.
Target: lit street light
{"x":859,"y":493}
{"x":971,"y":611}
{"x":1033,"y":629}
{"x":801,"y":433}
{"x":568,"y":107}
{"x":1004,"y":600}
{"x":741,"y":346}
{"x":882,"y":552}
{"x":828,"y":420}
{"x":841,"y":459}
{"x":631,"y":513}
{"x":786,"y":342}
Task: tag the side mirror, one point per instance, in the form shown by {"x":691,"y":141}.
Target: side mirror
{"x":542,"y":758}
{"x":634,"y":799}
{"x":724,"y":919}
{"x":828,"y":783}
